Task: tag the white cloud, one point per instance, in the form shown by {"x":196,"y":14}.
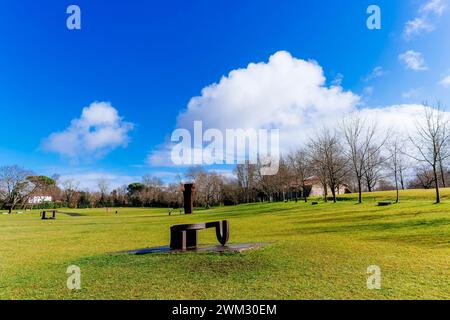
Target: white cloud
{"x":368,"y":91}
{"x":160,"y":156}
{"x":413,"y":60}
{"x":401,"y":118}
{"x":98,"y":131}
{"x":434,"y":6}
{"x":285,"y":93}
{"x":417,"y":26}
{"x":338,"y":80}
{"x":428,"y":14}
{"x":88,"y":181}
{"x":445,"y":82}
{"x":225,"y":173}
{"x":376,"y":73}
{"x":413,"y":93}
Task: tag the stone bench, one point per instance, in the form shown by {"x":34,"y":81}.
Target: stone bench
{"x":184,"y":237}
{"x":44,"y":215}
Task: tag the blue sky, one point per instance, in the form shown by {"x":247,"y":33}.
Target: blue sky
{"x":149,"y":58}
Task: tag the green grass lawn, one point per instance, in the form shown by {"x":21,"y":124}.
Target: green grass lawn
{"x":316,"y":252}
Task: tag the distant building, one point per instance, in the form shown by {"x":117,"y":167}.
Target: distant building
{"x":316,"y":189}
{"x":40,"y":199}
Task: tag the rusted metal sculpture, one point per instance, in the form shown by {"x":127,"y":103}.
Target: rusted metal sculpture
{"x":188,"y":197}
{"x":184,"y":237}
{"x":44,"y":215}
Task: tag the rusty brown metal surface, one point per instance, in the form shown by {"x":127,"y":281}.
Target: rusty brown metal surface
{"x":44,"y":215}
{"x":184,"y":237}
{"x":188,"y":196}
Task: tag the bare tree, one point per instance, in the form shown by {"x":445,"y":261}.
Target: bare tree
{"x":301,"y":169}
{"x":362,"y":143}
{"x":327,"y":154}
{"x":119,"y":196}
{"x":373,"y":168}
{"x":230,"y":191}
{"x":70,"y":192}
{"x":442,"y":165}
{"x":430,"y":140}
{"x":14,"y":186}
{"x":394,"y":162}
{"x":173,"y":195}
{"x":282,"y":180}
{"x":320,"y":171}
{"x":103,"y":186}
{"x":152,"y":182}
{"x":267,"y":185}
{"x":208,"y":189}
{"x":424,"y":178}
{"x":402,"y":168}
{"x":246,"y":179}
{"x":152,"y":193}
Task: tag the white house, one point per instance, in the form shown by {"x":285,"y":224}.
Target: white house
{"x":316,"y":188}
{"x":40,"y":199}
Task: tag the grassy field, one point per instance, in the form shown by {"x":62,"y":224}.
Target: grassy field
{"x":316,"y":252}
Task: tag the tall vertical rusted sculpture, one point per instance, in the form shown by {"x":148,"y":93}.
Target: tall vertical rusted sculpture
{"x":188,"y":196}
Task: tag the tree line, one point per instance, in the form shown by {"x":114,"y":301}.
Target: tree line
{"x":357,"y":154}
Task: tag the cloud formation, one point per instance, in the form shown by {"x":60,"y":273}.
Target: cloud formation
{"x":376,"y":73}
{"x":427,"y":16}
{"x":97,"y":132}
{"x":445,"y":82}
{"x":89,"y":181}
{"x":436,"y":7}
{"x":284,"y":93}
{"x":417,"y":26}
{"x":412,"y":93}
{"x":413,"y":60}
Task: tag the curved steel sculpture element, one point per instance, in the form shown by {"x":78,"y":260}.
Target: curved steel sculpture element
{"x":184,"y":237}
{"x":222,"y":230}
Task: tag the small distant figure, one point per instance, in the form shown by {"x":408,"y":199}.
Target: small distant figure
{"x":117,"y":212}
{"x":170,"y":211}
